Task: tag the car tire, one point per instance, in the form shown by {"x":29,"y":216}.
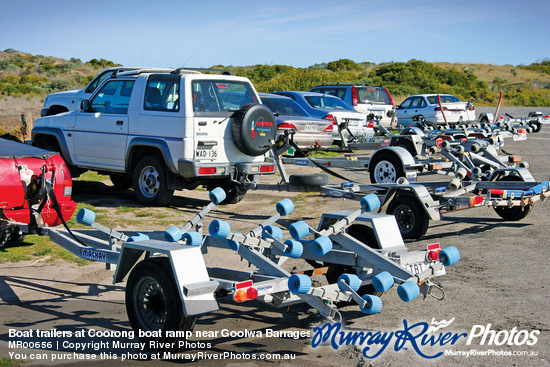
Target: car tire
{"x":247,"y":137}
{"x":150,"y":182}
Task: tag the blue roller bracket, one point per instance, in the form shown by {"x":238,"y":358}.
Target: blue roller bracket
{"x":217,"y":195}
{"x":370,"y":202}
{"x":173,"y":234}
{"x":294,"y":249}
{"x":408,"y":291}
{"x":298,"y":230}
{"x":449,"y":256}
{"x":138,"y":237}
{"x":322,"y":245}
{"x":299,"y":283}
{"x":373,"y":306}
{"x":350,"y":279}
{"x":285,"y":207}
{"x":383,"y":281}
{"x":274,"y":231}
{"x":85,"y":216}
{"x":234,"y":245}
{"x":219,"y":228}
{"x":192,"y":238}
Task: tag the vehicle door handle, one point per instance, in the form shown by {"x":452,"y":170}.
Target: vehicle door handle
{"x":119,"y":122}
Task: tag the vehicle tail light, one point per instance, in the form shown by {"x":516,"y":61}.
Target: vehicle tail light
{"x":514,"y":159}
{"x":438,"y":142}
{"x":269,"y":168}
{"x":370,"y":124}
{"x":433,"y":252}
{"x":389,"y":95}
{"x":330,"y":118}
{"x":464,"y":139}
{"x":439,"y":108}
{"x":329,"y":128}
{"x":547,"y":117}
{"x":476,"y":200}
{"x":522,"y":131}
{"x":354,"y":99}
{"x":286,"y":126}
{"x":207,"y":171}
{"x":67,"y":181}
{"x":501,"y":118}
{"x":472,"y":108}
{"x":244,"y":291}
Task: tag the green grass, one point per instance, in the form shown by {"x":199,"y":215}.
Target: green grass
{"x":35,"y":247}
{"x":8,"y":362}
{"x":92,"y":176}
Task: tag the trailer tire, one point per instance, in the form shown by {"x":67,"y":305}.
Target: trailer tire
{"x":515,"y":213}
{"x":411,"y":218}
{"x":315,"y":179}
{"x":385,"y":168}
{"x":153,"y":302}
{"x":536,"y":126}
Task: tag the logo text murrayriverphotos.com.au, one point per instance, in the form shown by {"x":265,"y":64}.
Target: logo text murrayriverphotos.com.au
{"x":423,"y":338}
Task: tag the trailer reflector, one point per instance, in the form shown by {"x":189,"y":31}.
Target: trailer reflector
{"x":476,"y":200}
{"x":514,"y":159}
{"x":244,"y":291}
{"x":433,"y":252}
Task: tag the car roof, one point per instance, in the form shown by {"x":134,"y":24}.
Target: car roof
{"x":431,"y":95}
{"x":271,"y":95}
{"x":302,"y":93}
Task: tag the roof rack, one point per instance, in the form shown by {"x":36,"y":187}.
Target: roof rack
{"x":184,"y":70}
{"x":344,"y":83}
{"x":140,"y":71}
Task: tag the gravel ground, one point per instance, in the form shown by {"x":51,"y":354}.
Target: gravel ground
{"x":500,"y":284}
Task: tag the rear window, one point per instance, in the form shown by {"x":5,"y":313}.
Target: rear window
{"x":284,"y":106}
{"x":221,"y":95}
{"x":444,"y":99}
{"x":337,"y":92}
{"x":375,"y":95}
{"x":327,"y":101}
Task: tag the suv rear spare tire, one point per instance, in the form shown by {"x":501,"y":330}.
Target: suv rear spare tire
{"x":254,"y":129}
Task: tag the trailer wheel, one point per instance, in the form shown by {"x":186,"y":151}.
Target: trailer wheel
{"x":153,"y":302}
{"x":385,"y":168}
{"x":411,"y":218}
{"x":536,"y":126}
{"x":514,"y":213}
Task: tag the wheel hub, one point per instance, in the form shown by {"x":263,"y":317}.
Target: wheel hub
{"x":151,"y":304}
{"x":385,"y":172}
{"x":149,"y":182}
{"x":404,"y":217}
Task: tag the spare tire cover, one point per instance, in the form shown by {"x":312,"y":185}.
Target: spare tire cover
{"x":254,"y":129}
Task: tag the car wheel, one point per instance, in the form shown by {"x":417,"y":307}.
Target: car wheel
{"x":150,"y":182}
{"x":385,"y":168}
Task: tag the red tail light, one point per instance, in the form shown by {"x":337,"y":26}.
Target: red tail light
{"x":476,"y":200}
{"x":389,"y":95}
{"x":370,"y":124}
{"x":244,"y":291}
{"x":330,"y":118}
{"x":547,"y":117}
{"x":329,"y":128}
{"x":354,"y":99}
{"x":472,"y":108}
{"x":438,"y":142}
{"x":439,"y":108}
{"x":207,"y":171}
{"x":286,"y":126}
{"x":67,"y":181}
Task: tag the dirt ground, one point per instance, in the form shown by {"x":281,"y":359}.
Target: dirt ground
{"x":501,"y":283}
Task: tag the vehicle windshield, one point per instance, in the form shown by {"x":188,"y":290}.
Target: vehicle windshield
{"x":327,"y":101}
{"x":444,"y":99}
{"x":284,"y":106}
{"x":375,"y":95}
{"x":221,"y":95}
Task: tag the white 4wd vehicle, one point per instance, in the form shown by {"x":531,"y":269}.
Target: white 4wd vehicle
{"x":164,"y":131}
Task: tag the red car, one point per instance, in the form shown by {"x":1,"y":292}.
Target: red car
{"x":25,"y":174}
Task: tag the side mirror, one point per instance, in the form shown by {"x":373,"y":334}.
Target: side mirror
{"x":85,"y":105}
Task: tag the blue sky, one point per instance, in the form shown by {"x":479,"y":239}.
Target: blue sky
{"x":169,"y":33}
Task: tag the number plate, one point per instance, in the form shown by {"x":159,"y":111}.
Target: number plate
{"x":206,"y":154}
{"x":520,"y":137}
{"x":310,"y":128}
{"x":418,"y":268}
